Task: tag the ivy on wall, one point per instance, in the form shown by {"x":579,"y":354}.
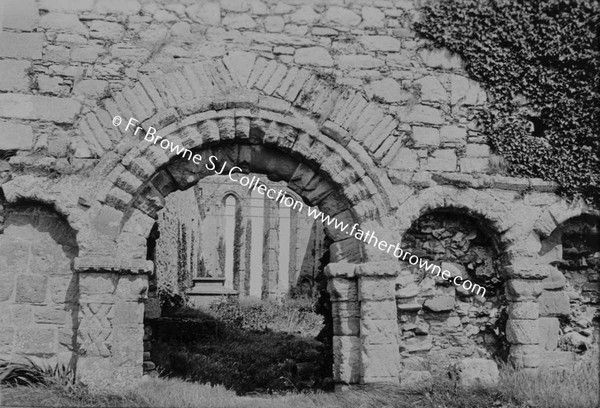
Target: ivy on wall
{"x":540,"y":63}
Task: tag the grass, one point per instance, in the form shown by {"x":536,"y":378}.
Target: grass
{"x":575,"y":388}
{"x":242,"y":360}
{"x":294,"y":316}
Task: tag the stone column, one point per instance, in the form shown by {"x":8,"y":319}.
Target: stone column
{"x":522,"y":327}
{"x":380,"y":356}
{"x":111,"y":320}
{"x":271,"y":249}
{"x":345,"y":308}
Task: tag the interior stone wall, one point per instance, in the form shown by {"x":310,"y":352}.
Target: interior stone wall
{"x":570,"y":299}
{"x":440,"y":322}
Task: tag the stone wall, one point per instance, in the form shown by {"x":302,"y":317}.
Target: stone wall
{"x":39,"y":299}
{"x":338,"y":100}
{"x":440,"y":322}
{"x":569,"y":303}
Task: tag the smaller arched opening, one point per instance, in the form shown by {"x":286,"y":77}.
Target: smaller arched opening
{"x":570,"y":299}
{"x":445,"y":320}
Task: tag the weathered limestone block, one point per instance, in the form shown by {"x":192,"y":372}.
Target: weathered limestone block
{"x":128,"y":313}
{"x":383,"y":269}
{"x":305,"y":15}
{"x":432,"y":90}
{"x":6,"y":339}
{"x":35,"y":340}
{"x":31,"y":289}
{"x":128,"y":7}
{"x":421,"y":114}
{"x":15,"y":136}
{"x":35,"y":107}
{"x":345,"y":309}
{"x":554,"y":304}
{"x":453,"y":134}
{"x":474,"y":165}
{"x":475,"y":372}
{"x":384,"y":331}
{"x":316,"y":56}
{"x":524,"y":310}
{"x":346,"y":326}
{"x":97,"y":287}
{"x":440,"y":303}
{"x":342,"y":289}
{"x":522,"y":331}
{"x":132,"y":287}
{"x":477,"y":150}
{"x":14,"y":75}
{"x":349,"y":250}
{"x":380,"y":43}
{"x":378,"y":310}
{"x":66,"y":5}
{"x":555,"y":280}
{"x":106,"y":30}
{"x":549,"y":328}
{"x":372,"y":17}
{"x":356,"y":61}
{"x":63,"y":289}
{"x":7,"y":284}
{"x":563,"y":210}
{"x":346,"y":359}
{"x":20,"y":15}
{"x":525,"y":356}
{"x":342,"y":16}
{"x":442,"y":160}
{"x":387,"y":90}
{"x":86,"y":53}
{"x":425,"y":136}
{"x":237,"y":21}
{"x":526,"y":267}
{"x":21,"y":45}
{"x":409,"y":291}
{"x":406,"y":159}
{"x":63,"y":22}
{"x":50,"y":315}
{"x":92,"y":88}
{"x":380,"y":363}
{"x":520,"y":290}
{"x":378,"y":288}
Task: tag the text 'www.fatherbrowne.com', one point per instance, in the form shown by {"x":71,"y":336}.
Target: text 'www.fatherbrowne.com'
{"x":254,"y":183}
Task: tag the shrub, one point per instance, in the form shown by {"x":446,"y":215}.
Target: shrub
{"x":288,"y":316}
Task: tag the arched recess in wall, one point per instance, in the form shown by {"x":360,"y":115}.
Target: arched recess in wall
{"x":435,"y":315}
{"x":570,"y":298}
{"x":39,"y":290}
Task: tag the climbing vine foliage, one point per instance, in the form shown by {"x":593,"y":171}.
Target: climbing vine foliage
{"x":540,"y":63}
